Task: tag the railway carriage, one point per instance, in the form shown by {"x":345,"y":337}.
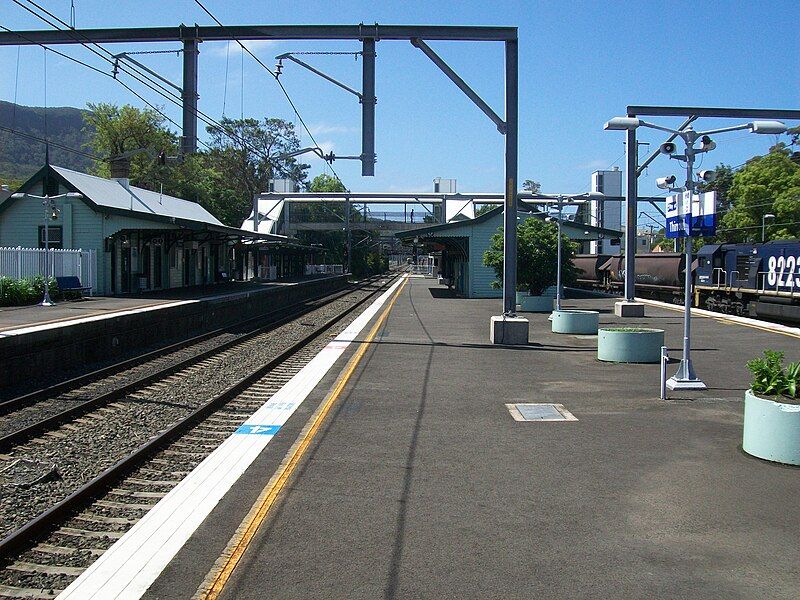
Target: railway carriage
{"x":757,"y":280}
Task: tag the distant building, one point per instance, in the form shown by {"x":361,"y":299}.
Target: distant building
{"x":461,"y":245}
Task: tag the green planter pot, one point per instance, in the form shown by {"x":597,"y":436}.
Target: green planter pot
{"x":575,"y":321}
{"x":542,"y":304}
{"x":629,"y":344}
{"x":771,"y":429}
{"x":521,"y":295}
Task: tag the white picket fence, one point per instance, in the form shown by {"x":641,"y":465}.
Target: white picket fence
{"x":20,"y":263}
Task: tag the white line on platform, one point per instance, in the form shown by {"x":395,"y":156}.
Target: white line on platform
{"x":79,"y":320}
{"x":134,"y":562}
{"x":746,"y":321}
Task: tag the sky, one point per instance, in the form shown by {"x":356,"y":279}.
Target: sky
{"x":581,"y":63}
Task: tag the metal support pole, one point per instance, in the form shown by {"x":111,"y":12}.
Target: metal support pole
{"x":349,"y":243}
{"x":46,"y":301}
{"x":558,"y":260}
{"x":190,"y":52}
{"x":685,"y":378}
{"x":368,"y":101}
{"x":510,"y":206}
{"x":631,"y":193}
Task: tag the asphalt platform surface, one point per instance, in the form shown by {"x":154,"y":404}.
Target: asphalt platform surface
{"x":15,"y":317}
{"x":421,"y":485}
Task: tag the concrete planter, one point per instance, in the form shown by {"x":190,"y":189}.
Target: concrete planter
{"x":771,"y":429}
{"x":537,"y":304}
{"x":630,"y":344}
{"x":575,"y":321}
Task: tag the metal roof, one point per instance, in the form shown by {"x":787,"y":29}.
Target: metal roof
{"x":110,"y":193}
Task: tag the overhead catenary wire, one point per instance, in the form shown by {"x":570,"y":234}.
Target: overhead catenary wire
{"x":150,"y":83}
{"x":274,"y":76}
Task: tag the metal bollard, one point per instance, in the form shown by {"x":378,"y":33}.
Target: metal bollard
{"x":664,"y":361}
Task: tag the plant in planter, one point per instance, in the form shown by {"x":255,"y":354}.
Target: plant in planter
{"x":537,"y":250}
{"x":772,"y":410}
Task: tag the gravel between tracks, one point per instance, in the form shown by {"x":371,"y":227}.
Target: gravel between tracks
{"x":78,"y":451}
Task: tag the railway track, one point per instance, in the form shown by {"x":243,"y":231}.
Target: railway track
{"x":35,"y":412}
{"x":44,"y":554}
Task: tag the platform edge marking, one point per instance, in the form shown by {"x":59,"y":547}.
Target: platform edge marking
{"x":116,"y":574}
{"x":223,"y":569}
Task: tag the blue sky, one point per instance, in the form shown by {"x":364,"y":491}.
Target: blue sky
{"x":580,"y":64}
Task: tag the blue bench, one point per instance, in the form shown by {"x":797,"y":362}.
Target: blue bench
{"x":72,"y":284}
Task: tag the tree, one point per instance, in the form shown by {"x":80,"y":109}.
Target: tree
{"x":537,"y":253}
{"x":326,"y":183}
{"x":534,"y":187}
{"x":484,"y":209}
{"x":242,"y":151}
{"x":114,"y":131}
{"x":767,"y":184}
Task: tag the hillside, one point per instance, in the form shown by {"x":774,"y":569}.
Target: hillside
{"x":20,"y":157}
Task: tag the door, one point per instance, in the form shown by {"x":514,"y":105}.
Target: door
{"x":157,"y":267}
{"x":125,"y":270}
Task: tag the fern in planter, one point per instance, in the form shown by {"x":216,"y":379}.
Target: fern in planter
{"x":771,"y":379}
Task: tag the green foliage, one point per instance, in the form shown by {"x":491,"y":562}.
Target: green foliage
{"x":484,"y":209}
{"x":766,"y":184}
{"x":537,"y":251}
{"x":771,"y":379}
{"x":21,"y":292}
{"x":239,"y":153}
{"x":21,"y":157}
{"x":534,"y":187}
{"x":115,"y":130}
{"x":326,"y":183}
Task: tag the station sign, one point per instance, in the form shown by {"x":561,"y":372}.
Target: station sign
{"x":691,"y":215}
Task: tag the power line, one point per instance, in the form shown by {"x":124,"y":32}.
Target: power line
{"x":48,"y":141}
{"x":150,"y":83}
{"x":274,"y":76}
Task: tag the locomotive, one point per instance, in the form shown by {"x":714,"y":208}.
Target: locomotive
{"x":749,"y":279}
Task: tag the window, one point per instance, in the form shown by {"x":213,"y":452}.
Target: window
{"x":54,"y":235}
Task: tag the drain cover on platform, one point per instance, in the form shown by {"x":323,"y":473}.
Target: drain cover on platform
{"x":529,"y":411}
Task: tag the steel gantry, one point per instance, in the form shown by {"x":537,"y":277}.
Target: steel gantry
{"x":633,"y":169}
{"x":368,"y":35}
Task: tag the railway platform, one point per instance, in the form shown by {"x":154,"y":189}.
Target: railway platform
{"x":73,"y":334}
{"x":403,"y":474}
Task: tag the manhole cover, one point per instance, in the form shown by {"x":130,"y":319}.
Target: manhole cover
{"x":529,"y":411}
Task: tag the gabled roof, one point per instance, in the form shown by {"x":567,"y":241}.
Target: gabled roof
{"x":109,"y":193}
{"x":111,"y":196}
{"x":525,"y":210}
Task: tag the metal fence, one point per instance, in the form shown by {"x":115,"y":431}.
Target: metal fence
{"x":20,"y":263}
{"x":324,"y":269}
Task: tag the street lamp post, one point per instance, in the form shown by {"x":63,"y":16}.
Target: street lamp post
{"x":685,"y":378}
{"x":50,"y":212}
{"x":560,"y":205}
{"x":764,"y":225}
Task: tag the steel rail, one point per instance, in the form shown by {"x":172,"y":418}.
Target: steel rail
{"x":49,"y":519}
{"x":20,"y":435}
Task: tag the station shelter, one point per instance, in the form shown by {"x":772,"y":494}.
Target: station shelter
{"x":461,"y":245}
{"x":144,"y":240}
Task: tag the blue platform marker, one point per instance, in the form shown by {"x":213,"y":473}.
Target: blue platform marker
{"x":248,"y":429}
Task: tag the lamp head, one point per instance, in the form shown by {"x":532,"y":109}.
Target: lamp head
{"x":665,"y":183}
{"x":621,"y":123}
{"x":707,"y":144}
{"x":767,"y":127}
{"x":769,"y":216}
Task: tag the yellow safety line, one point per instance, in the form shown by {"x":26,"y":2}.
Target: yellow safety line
{"x":224,"y":567}
{"x":722,"y":319}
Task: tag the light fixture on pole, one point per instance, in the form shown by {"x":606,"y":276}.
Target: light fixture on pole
{"x":51,"y":212}
{"x":560,"y":205}
{"x":764,"y":225}
{"x":686,"y":378}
